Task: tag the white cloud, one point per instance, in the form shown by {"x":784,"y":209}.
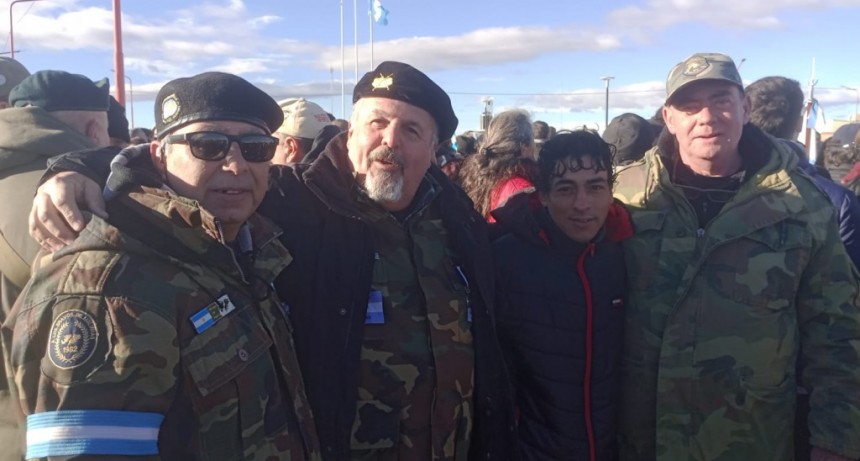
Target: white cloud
{"x":478,"y":48}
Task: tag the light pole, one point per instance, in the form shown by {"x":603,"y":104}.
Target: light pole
{"x":131,"y":98}
{"x":11,"y":30}
{"x":607,"y":80}
{"x":856,"y":103}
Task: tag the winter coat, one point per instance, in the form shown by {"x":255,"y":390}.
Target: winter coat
{"x":560,"y":310}
{"x":719,"y":317}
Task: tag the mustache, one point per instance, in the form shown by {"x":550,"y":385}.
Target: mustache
{"x":386,"y":154}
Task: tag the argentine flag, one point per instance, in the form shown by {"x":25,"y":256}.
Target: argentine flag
{"x":380,"y":13}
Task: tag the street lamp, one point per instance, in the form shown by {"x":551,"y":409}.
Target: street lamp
{"x":856,"y":103}
{"x":131,"y":98}
{"x":11,"y":32}
{"x":607,"y":80}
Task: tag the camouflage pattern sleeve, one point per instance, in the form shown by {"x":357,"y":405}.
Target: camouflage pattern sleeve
{"x":828,"y":309}
{"x":94,"y":375}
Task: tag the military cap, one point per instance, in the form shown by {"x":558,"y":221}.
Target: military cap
{"x":12,"y":73}
{"x":702,"y":66}
{"x":214,"y":96}
{"x":396,"y":80}
{"x":302,"y":118}
{"x":117,"y":123}
{"x":54,"y":90}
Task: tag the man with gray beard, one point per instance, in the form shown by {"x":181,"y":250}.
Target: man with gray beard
{"x":391,"y":285}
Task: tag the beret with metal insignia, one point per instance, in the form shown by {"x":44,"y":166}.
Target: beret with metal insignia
{"x":54,"y":90}
{"x":214,"y":96}
{"x":396,"y":80}
{"x":702,"y":66}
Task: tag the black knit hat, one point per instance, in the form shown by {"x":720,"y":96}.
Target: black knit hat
{"x":214,"y":96}
{"x":117,"y":123}
{"x":631,"y":135}
{"x":54,"y":90}
{"x":396,"y":80}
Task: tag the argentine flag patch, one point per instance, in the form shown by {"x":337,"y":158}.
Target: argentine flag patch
{"x":92,"y":432}
{"x":209,"y":315}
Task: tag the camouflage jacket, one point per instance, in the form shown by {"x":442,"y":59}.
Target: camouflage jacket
{"x":147,"y":338}
{"x":720,"y":317}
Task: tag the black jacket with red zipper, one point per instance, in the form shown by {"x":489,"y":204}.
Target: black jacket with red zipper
{"x":560,"y":316}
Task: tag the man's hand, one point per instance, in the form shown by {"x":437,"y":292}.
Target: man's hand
{"x":823,"y":455}
{"x":56,"y":219}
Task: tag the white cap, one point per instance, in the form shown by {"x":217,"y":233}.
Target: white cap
{"x":302,"y":118}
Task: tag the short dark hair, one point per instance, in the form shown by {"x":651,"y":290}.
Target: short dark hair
{"x":777,"y":105}
{"x":565,"y":151}
{"x":540,"y":129}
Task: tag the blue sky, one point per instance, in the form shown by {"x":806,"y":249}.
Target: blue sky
{"x":547,"y":56}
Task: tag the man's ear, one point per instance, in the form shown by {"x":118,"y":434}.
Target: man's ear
{"x":97,"y":132}
{"x":157,"y":153}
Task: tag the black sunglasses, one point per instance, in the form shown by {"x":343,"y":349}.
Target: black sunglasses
{"x":211,"y":145}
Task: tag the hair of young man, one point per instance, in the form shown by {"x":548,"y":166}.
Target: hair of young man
{"x":499,"y":159}
{"x":566,"y":151}
{"x":777,"y":105}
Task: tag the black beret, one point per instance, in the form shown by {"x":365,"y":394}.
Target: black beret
{"x":396,"y":80}
{"x":117,"y":123}
{"x":57,"y":90}
{"x":214,"y":96}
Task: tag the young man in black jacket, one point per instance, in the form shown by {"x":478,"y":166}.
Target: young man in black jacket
{"x":560,"y":303}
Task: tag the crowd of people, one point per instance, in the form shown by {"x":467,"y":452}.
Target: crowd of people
{"x":252,"y":279}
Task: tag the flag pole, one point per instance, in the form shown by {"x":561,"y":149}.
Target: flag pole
{"x":808,"y":139}
{"x":342,"y":88}
{"x":355,"y":21}
{"x":370,"y":16}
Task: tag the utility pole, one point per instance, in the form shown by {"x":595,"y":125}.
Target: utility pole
{"x":606,"y":118}
{"x":11,"y":27}
{"x":118,"y":59}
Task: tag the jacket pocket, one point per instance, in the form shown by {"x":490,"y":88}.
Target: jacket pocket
{"x":376,"y":427}
{"x":642,"y":251}
{"x":215,"y":360}
{"x":763,"y":268}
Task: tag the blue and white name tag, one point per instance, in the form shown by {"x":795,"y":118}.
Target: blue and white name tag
{"x":205,"y":318}
{"x":374,"y":315}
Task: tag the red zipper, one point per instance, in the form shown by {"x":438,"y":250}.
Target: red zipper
{"x":589,"y":327}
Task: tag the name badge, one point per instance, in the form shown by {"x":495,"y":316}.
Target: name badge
{"x":374,"y":315}
{"x":209,"y":315}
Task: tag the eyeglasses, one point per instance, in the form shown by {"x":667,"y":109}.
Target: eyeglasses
{"x":210,"y":145}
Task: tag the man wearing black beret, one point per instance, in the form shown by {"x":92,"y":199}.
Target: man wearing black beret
{"x":156,"y":332}
{"x":390,"y":287}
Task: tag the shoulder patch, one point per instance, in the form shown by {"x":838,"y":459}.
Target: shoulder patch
{"x":74,"y":337}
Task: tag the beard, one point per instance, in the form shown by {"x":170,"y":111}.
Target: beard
{"x":385,"y":185}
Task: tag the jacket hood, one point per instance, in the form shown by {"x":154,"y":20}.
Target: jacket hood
{"x":521,"y":216}
{"x":28,"y":134}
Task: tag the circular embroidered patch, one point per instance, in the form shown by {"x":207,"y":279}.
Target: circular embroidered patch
{"x":73,"y":339}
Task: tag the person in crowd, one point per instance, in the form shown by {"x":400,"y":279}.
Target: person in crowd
{"x":303,"y":121}
{"x":777,"y":109}
{"x":467,"y":145}
{"x":12,"y":73}
{"x":52,"y":112}
{"x":851,"y":180}
{"x":561,"y":290}
{"x":141,"y":136}
{"x":540,"y":131}
{"x":342,"y":124}
{"x":840,"y":154}
{"x":504,"y":166}
{"x":631,"y":135}
{"x":118,"y":125}
{"x":737,"y":279}
{"x":156,"y":332}
{"x":390,"y":258}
